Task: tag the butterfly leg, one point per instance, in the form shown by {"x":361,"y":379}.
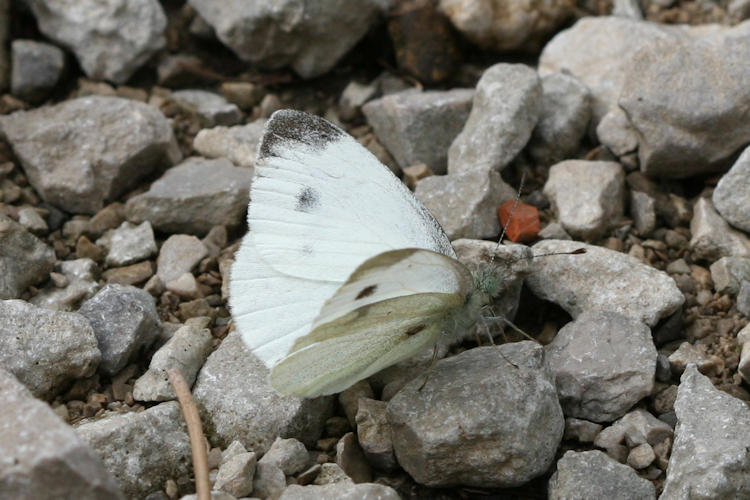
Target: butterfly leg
{"x":429,"y":368}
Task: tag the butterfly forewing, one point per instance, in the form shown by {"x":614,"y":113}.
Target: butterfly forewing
{"x":322,"y":204}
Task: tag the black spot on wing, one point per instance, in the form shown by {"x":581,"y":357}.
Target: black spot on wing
{"x":415,"y":329}
{"x":308,"y":199}
{"x":286,"y":127}
{"x":366,"y":292}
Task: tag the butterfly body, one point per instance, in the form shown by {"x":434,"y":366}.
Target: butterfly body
{"x":343,"y":272}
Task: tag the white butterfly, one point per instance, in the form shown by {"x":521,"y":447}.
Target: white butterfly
{"x":342,"y":272}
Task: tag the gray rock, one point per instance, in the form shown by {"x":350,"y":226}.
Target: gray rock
{"x":635,"y":428}
{"x":743,"y":338}
{"x":419,"y":127}
{"x":82,"y":276}
{"x":24,"y":259}
{"x":643,"y":212}
{"x":374,"y":434}
{"x":465,"y":204}
{"x":352,"y":461}
{"x":186,"y":351}
{"x":211,"y":109}
{"x":743,"y":298}
{"x":685,"y":355}
{"x":587,"y":196}
{"x":630,"y":9}
{"x":342,"y":490}
{"x":141,"y":449}
{"x":331,"y":473}
{"x":563,"y":118}
{"x":641,"y":456}
{"x":731,"y":196}
{"x":37,"y":67}
{"x":45,"y":349}
{"x":616,"y":132}
{"x":124,"y":320}
{"x":712,"y":238}
{"x":709,"y":455}
{"x":597,"y":50}
{"x":193,"y":197}
{"x":310,"y":38}
{"x":268,"y":481}
{"x":554,"y":231}
{"x":84,"y":152}
{"x":179,"y":255}
{"x":681,"y":133}
{"x":236,"y":474}
{"x":582,"y":431}
{"x":728,"y":273}
{"x":238,"y":144}
{"x":353,"y":97}
{"x":604,"y":363}
{"x":583,"y":475}
{"x":30,"y":219}
{"x":487,"y":417}
{"x":128,"y":243}
{"x":506,"y":107}
{"x":111,"y":40}
{"x":238,"y":404}
{"x":289,"y":455}
{"x":506,"y":25}
{"x":602,"y":279}
{"x":349,"y":399}
{"x":41,"y":456}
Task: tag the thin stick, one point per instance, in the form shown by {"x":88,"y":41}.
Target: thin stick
{"x":195,"y":431}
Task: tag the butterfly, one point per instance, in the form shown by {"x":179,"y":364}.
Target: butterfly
{"x":343,"y":272}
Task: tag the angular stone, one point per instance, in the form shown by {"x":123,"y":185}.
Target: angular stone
{"x":506,"y":25}
{"x":124,"y":320}
{"x":82,"y":153}
{"x":587,"y":196}
{"x":506,"y":107}
{"x":289,"y":455}
{"x":563,"y":118}
{"x":235,"y":475}
{"x":126,"y":443}
{"x":210,"y":109}
{"x":310,"y":38}
{"x":374,"y":434}
{"x":352,"y":461}
{"x":483,"y":419}
{"x":268,"y":482}
{"x":701,"y":134}
{"x":639,"y":427}
{"x":24,"y":259}
{"x":592,"y":474}
{"x":193,"y":197}
{"x":179,"y":255}
{"x":616,"y":132}
{"x":129,"y":275}
{"x":41,"y":456}
{"x":728,"y":273}
{"x":128,"y":243}
{"x":186,"y":350}
{"x":110,"y":40}
{"x":465,"y":204}
{"x":342,"y":490}
{"x":37,"y":67}
{"x":709,"y":455}
{"x":82,"y":277}
{"x":238,"y":404}
{"x":30,"y":219}
{"x":581,"y":430}
{"x":353,"y":97}
{"x":602,"y":279}
{"x":604,"y":363}
{"x":45,"y":349}
{"x":643,"y":212}
{"x":685,"y":355}
{"x":712,"y":236}
{"x":731,"y":197}
{"x":238,"y":144}
{"x":419,"y":127}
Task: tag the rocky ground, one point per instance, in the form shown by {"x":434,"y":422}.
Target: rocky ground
{"x":129,"y":133}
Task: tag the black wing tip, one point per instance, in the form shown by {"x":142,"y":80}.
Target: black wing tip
{"x":289,"y":125}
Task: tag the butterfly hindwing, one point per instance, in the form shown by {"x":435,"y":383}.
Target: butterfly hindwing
{"x":392,"y":307}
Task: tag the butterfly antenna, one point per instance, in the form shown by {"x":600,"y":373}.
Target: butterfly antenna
{"x":510,"y":215}
{"x":429,"y":368}
{"x":577,"y":251}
